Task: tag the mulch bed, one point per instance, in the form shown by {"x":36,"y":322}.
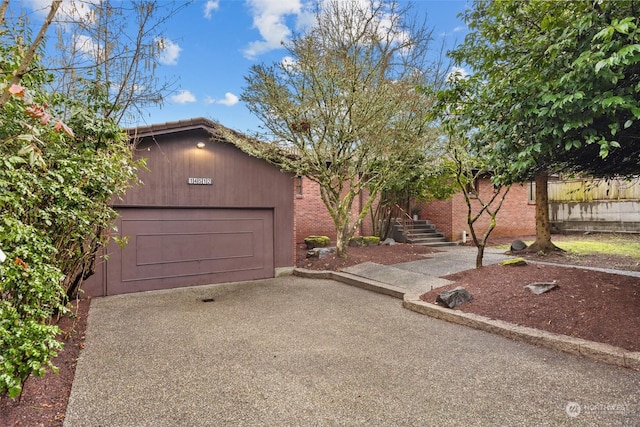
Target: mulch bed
{"x":587,"y":304}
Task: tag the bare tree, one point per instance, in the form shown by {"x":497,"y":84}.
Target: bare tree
{"x":468,"y":172}
{"x":118,"y":44}
{"x":344,"y":107}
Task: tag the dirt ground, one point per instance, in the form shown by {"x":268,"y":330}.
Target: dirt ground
{"x":44,"y":400}
{"x":595,"y":306}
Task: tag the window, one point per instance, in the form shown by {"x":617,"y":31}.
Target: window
{"x":531,"y":197}
{"x":298,"y":186}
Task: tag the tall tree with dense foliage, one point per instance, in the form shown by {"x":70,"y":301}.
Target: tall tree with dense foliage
{"x":343,"y":108}
{"x":61,"y":163}
{"x":555,"y":87}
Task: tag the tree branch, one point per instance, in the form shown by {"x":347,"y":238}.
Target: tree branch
{"x":26,"y":61}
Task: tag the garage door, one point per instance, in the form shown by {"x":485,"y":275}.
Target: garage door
{"x":170,"y":248}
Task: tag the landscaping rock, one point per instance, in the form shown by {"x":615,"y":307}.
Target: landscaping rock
{"x":319,"y":252}
{"x":454,"y":297}
{"x":518,"y":245}
{"x":539,"y":288}
{"x":388,"y":242}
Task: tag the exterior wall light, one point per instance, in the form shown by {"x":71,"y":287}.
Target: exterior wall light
{"x":200,"y":145}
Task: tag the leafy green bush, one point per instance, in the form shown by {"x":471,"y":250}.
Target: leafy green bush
{"x":371,"y":240}
{"x":317,"y":241}
{"x":364,"y":241}
{"x":61,"y":163}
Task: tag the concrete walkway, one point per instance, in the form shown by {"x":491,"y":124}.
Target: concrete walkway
{"x":424,"y":275}
{"x":296,"y":351}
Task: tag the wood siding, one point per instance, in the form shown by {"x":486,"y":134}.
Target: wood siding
{"x":238,"y":183}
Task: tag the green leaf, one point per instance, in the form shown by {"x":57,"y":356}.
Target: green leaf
{"x":613,"y":100}
{"x":624,"y":26}
{"x":628,"y":124}
{"x":601,"y":64}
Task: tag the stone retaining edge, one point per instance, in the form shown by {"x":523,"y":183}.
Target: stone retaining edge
{"x":591,"y":350}
{"x":352,"y":280}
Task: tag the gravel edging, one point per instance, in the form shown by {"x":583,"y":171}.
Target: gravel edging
{"x":592,"y":350}
{"x":589,"y":349}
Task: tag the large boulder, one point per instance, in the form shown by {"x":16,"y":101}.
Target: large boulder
{"x":388,"y":242}
{"x":540,"y":288}
{"x":319,"y":252}
{"x":518,"y":245}
{"x":454,"y":297}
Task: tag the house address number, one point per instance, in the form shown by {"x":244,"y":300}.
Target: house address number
{"x":200,"y":181}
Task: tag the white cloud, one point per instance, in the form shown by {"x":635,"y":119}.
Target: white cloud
{"x":183,"y":97}
{"x":458,"y":28}
{"x":208,"y":100}
{"x":210,"y":6}
{"x":69,"y":10}
{"x":87,"y":46}
{"x":457,"y":73}
{"x":269,"y":20}
{"x":289,"y":63}
{"x":168,"y":51}
{"x":229,"y":100}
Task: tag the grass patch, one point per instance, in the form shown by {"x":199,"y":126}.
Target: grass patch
{"x":586,"y":247}
{"x":619,"y":245}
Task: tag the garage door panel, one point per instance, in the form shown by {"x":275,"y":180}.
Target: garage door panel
{"x":183,"y":247}
{"x":177,"y":247}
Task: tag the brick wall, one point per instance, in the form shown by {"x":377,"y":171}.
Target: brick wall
{"x":439,"y":212}
{"x":515,"y":219}
{"x":311,"y":215}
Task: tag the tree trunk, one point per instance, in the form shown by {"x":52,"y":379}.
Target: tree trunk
{"x":480,"y":255}
{"x":342,"y":242}
{"x":543,"y":227}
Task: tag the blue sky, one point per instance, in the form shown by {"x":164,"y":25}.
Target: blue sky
{"x":211,"y":45}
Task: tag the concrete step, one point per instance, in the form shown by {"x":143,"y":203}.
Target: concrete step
{"x":427,"y":240}
{"x":427,"y":235}
{"x":421,"y":232}
{"x":437,"y":244}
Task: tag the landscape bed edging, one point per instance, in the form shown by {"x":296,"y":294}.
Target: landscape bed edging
{"x":589,"y":349}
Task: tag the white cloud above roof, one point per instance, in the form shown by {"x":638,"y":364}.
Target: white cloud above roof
{"x":183,"y":97}
{"x":229,"y":99}
{"x":210,"y":6}
{"x":269,"y":19}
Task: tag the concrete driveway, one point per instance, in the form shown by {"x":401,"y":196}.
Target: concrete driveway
{"x":294,"y":351}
